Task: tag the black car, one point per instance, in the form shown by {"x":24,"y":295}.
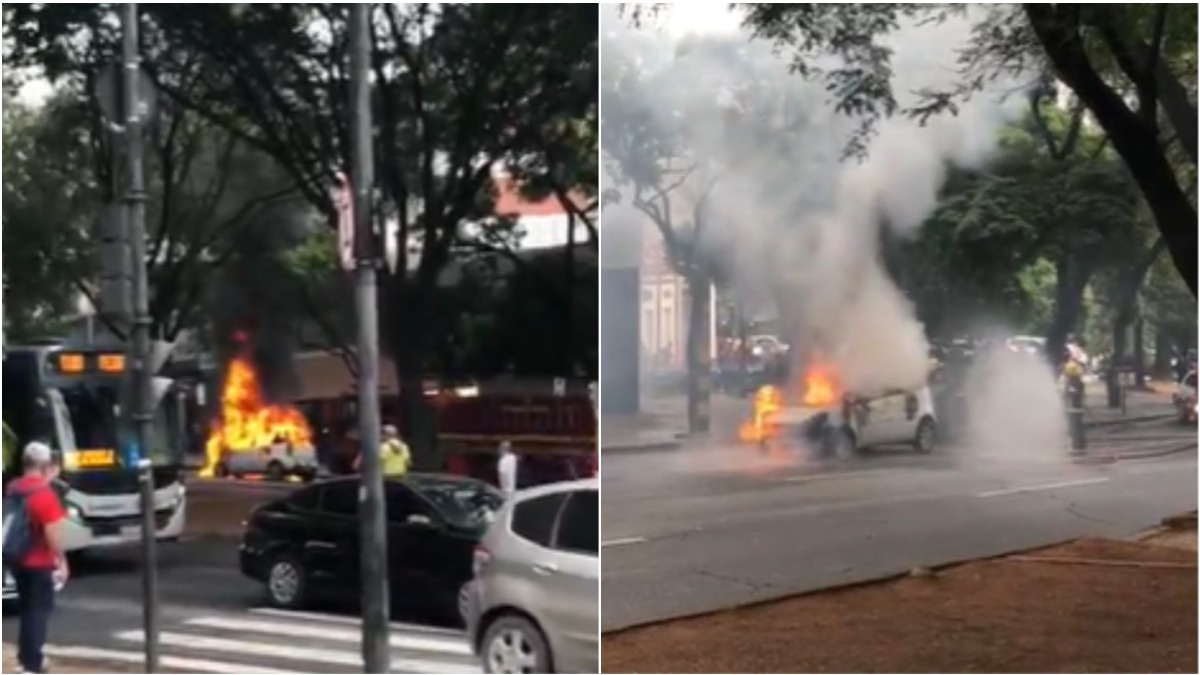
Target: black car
{"x":305,"y":546}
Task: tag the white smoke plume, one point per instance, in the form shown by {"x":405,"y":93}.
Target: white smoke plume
{"x":793,"y":220}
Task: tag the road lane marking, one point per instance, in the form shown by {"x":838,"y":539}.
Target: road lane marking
{"x":623,"y":542}
{"x":173,"y":662}
{"x":457,"y":647}
{"x":354,"y":621}
{"x":307,"y":655}
{"x":1045,"y":486}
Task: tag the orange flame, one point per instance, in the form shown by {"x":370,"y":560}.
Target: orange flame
{"x":247,"y":423}
{"x":821,"y":387}
{"x":767,"y":402}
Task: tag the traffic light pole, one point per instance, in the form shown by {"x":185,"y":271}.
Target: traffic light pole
{"x":375,"y":644}
{"x":135,"y":210}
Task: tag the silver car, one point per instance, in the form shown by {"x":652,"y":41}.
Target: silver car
{"x":534,"y":605}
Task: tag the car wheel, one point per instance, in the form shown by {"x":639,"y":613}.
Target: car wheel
{"x":514,"y":645}
{"x":275,"y":472}
{"x":286,"y":585}
{"x":926,"y":438}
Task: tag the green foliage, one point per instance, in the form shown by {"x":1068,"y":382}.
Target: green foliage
{"x":49,"y":207}
{"x":1131,"y":66}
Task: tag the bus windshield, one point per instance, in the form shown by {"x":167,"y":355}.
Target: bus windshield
{"x":92,"y":413}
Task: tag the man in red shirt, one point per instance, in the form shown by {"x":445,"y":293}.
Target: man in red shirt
{"x":45,"y":564}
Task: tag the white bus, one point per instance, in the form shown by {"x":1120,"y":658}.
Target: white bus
{"x":68,"y":398}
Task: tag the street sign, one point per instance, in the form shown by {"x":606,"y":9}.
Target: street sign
{"x":560,"y":387}
{"x":343,"y":201}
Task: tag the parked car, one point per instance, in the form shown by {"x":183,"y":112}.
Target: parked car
{"x":534,"y":606}
{"x":1185,"y":398}
{"x":306,"y":546}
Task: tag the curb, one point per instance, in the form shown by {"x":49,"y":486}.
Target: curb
{"x":654,"y":446}
{"x":1128,"y":420}
{"x":785,"y":595}
{"x":1131,"y":456}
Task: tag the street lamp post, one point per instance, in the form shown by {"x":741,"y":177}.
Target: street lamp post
{"x":375,"y":644}
{"x":133,"y":109}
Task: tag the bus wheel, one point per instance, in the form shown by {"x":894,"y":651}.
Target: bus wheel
{"x":275,"y":472}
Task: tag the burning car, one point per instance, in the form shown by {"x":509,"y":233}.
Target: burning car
{"x":837,"y":423}
{"x":253,"y":437}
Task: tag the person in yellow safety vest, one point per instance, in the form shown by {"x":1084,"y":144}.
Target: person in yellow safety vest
{"x":395,"y":458}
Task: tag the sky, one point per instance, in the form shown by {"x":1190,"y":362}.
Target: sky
{"x":699,"y":18}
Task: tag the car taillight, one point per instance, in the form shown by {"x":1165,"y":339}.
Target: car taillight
{"x":482,"y":557}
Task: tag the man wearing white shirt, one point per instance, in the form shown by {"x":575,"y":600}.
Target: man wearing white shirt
{"x":507,"y":470}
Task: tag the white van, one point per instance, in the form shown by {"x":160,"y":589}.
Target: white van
{"x":893,"y":418}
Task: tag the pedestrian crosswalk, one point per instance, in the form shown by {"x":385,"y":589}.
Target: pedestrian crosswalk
{"x":271,"y":641}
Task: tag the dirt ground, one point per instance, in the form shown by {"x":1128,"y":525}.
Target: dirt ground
{"x":1009,"y":615}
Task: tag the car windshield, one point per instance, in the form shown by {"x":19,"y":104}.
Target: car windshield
{"x":467,"y":504}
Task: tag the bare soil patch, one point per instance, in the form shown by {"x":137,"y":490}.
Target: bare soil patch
{"x":1101,"y":607}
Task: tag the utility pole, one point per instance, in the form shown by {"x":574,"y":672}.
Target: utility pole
{"x":375,"y":644}
{"x":135,"y":210}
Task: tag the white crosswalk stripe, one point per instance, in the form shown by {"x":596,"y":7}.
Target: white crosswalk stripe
{"x":271,"y":642}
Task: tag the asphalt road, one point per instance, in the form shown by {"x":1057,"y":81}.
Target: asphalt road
{"x":215,"y":621}
{"x":701,"y":529}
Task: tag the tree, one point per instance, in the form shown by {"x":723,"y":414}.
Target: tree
{"x":48,"y":210}
{"x":461,"y":91}
{"x":205,"y":186}
{"x":1127,"y":65}
{"x":681,"y":132}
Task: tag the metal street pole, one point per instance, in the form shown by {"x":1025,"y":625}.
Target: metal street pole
{"x":135,"y":204}
{"x":375,"y":645}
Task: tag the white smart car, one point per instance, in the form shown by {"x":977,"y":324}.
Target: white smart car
{"x":891,"y":418}
{"x":277,"y":462}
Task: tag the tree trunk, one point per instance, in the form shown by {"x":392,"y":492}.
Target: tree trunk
{"x":1120,"y":339}
{"x":1070,"y":283}
{"x":1162,"y":352}
{"x":1131,"y":137}
{"x":699,"y":360}
{"x":1139,"y":351}
{"x":407,"y":323}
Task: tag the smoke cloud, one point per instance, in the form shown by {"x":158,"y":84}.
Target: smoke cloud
{"x":788,"y":218}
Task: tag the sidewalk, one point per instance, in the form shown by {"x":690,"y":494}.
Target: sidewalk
{"x":1114,"y":606}
{"x":663,"y":422}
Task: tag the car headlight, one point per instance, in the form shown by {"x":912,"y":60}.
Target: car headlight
{"x":74,"y":513}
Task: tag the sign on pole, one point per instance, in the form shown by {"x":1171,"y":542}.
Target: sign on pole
{"x":343,"y":201}
{"x":560,"y":386}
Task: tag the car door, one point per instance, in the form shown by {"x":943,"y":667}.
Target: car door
{"x":412,"y":545}
{"x":331,"y":548}
{"x":573,"y":581}
{"x":888,"y":418}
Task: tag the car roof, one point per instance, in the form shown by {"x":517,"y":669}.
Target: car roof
{"x":417,"y":479}
{"x":554,"y":488}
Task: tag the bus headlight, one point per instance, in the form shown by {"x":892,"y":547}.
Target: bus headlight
{"x":74,"y":513}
